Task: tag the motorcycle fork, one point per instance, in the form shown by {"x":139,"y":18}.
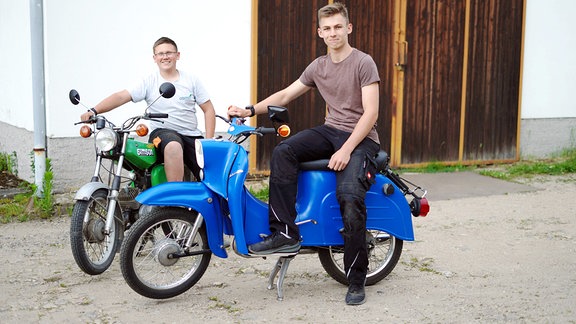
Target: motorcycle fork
{"x":115,"y":188}
{"x":96,"y":175}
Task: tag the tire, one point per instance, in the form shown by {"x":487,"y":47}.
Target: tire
{"x":384,"y":251}
{"x":94,"y":251}
{"x":144,"y":256}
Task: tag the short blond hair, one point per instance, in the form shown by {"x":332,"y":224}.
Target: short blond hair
{"x":333,"y":9}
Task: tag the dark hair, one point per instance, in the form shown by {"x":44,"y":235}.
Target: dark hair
{"x":333,"y":9}
{"x":164,"y":40}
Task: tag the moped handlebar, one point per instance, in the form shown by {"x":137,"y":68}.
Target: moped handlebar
{"x":266,"y":130}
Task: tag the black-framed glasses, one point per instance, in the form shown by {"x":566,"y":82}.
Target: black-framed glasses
{"x":167,"y":54}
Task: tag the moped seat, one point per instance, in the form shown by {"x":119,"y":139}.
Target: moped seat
{"x":322,"y":165}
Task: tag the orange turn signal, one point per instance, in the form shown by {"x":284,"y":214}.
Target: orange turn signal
{"x":85,"y":131}
{"x":284,"y":130}
{"x":142,"y":130}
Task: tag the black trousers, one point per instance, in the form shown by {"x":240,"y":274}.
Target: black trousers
{"x":314,"y":144}
{"x":188,"y":146}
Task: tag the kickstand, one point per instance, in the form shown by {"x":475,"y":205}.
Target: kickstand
{"x":282,"y":266}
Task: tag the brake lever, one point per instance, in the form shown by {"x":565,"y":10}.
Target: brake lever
{"x":90,"y":120}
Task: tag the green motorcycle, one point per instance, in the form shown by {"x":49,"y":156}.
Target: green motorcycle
{"x":105,"y":207}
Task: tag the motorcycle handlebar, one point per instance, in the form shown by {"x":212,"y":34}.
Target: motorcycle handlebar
{"x":90,"y":120}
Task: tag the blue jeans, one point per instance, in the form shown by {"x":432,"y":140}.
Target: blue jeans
{"x":320,"y":143}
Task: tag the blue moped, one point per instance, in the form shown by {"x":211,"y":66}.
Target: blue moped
{"x":169,"y":248}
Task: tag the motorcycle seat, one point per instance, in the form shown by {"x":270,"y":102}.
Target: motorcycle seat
{"x":322,"y":165}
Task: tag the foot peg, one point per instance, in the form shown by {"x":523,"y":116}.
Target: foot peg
{"x":280,"y":266}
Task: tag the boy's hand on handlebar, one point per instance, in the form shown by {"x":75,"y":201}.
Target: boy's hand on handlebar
{"x":234,"y":111}
{"x":86,"y":116}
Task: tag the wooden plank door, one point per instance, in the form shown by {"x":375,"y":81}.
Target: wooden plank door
{"x":461,"y":78}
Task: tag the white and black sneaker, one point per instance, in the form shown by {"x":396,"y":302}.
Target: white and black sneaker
{"x":275,"y":243}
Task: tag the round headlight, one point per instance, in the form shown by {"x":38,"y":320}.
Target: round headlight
{"x":199,"y":153}
{"x":105,"y":139}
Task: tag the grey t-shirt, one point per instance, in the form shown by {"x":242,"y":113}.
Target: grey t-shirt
{"x":340,"y":84}
{"x":181,"y":108}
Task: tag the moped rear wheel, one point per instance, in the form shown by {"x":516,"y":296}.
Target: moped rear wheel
{"x":154,"y":259}
{"x":93,"y":250}
{"x":384,"y":251}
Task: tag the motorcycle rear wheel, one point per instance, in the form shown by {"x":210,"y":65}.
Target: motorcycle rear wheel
{"x":146,"y":255}
{"x":384,"y":251}
{"x":93,"y":250}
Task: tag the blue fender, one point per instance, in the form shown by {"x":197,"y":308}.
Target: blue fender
{"x":319,"y":211}
{"x":193,"y":195}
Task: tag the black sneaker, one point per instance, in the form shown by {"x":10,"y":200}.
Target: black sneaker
{"x":355,"y":295}
{"x":275,"y":243}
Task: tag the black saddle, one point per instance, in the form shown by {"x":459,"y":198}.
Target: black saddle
{"x":381,"y":158}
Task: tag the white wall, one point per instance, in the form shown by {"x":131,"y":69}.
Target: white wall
{"x":99,"y":47}
{"x":15,"y":64}
{"x":549,"y":79}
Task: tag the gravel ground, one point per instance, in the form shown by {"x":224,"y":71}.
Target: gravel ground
{"x":507,"y":258}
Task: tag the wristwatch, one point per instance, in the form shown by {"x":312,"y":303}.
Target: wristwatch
{"x":252,"y":111}
{"x":94,"y":111}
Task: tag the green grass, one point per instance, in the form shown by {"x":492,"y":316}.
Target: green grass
{"x":261,"y":193}
{"x":27,"y":205}
{"x":15,"y":208}
{"x":437,"y":167}
{"x":564,"y":163}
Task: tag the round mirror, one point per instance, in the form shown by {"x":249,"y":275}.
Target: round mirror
{"x":74,"y":97}
{"x":167,"y":90}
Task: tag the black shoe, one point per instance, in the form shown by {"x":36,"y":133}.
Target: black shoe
{"x":355,"y":295}
{"x":275,"y":243}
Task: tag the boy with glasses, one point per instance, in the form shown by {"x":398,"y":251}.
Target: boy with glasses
{"x":174,"y":136}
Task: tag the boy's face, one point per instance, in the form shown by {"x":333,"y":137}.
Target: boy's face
{"x":334,"y":30}
{"x":165,"y":56}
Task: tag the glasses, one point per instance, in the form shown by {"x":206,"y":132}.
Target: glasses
{"x":167,"y":54}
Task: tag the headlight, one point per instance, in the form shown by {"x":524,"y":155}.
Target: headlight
{"x":106,"y":139}
{"x":199,"y":153}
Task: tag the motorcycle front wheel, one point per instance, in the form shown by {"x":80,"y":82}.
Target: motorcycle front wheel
{"x":93,"y":250}
{"x":158,"y":257}
{"x":384,"y":251}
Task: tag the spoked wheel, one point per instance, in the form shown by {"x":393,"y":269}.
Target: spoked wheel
{"x":384,"y":251}
{"x":92,"y":249}
{"x":159,"y":258}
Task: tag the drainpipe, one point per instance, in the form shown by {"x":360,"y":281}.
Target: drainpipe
{"x":38,"y":92}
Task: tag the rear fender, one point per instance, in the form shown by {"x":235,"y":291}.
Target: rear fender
{"x":194,"y":195}
{"x":319,"y":215}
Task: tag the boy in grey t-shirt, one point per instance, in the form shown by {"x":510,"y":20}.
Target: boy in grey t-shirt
{"x":348,"y":81}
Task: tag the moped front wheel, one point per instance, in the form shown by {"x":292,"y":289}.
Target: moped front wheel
{"x":384,"y":251}
{"x":92,"y":248}
{"x":161,"y":257}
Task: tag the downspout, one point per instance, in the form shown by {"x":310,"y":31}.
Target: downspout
{"x":38,"y":93}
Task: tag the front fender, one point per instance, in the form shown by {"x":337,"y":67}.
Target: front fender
{"x":194,"y":195}
{"x":88,"y":189}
